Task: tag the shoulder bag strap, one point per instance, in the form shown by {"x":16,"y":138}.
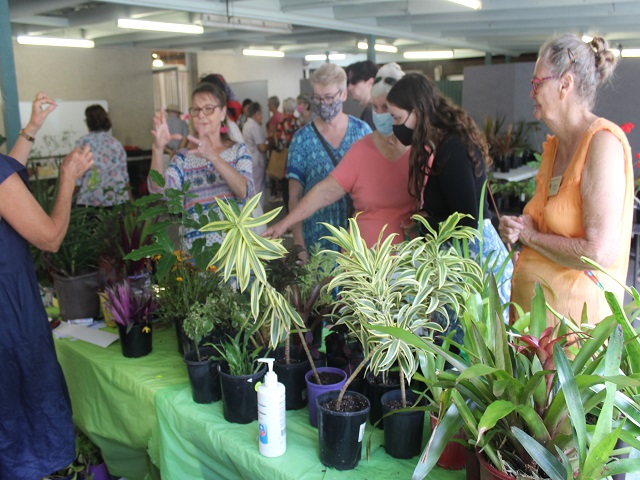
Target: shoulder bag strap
{"x":324,"y":144}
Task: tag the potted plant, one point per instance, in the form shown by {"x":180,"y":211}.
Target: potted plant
{"x":245,"y":255}
{"x":511,"y":382}
{"x":89,"y":456}
{"x":239,"y":374}
{"x":394,"y":286}
{"x":132,"y":312}
{"x":74,"y":267}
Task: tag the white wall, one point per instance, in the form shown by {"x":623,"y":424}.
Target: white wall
{"x":282,"y":74}
{"x":121,"y":76}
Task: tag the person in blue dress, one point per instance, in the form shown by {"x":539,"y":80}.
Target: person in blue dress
{"x":36,"y":431}
{"x":310,"y":160}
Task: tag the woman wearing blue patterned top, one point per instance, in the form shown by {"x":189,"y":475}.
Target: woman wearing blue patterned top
{"x":309,"y":162}
{"x":107,"y":184}
{"x":216,"y":168}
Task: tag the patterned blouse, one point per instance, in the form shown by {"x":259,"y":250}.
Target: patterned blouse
{"x":106,"y":184}
{"x":309,"y":163}
{"x":206,"y":184}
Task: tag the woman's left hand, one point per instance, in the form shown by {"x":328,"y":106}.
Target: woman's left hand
{"x":203,"y":149}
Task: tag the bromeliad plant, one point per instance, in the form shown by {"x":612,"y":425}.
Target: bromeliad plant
{"x":129,"y":307}
{"x":519,"y":408}
{"x":397,"y":288}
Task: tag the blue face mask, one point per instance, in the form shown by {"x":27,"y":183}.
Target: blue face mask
{"x":383,"y":123}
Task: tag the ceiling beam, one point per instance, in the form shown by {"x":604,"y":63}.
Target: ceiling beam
{"x":27,"y":8}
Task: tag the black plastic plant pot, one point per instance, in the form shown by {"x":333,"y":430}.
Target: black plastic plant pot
{"x":239,"y":397}
{"x":375,"y":390}
{"x":341,"y":433}
{"x":402,"y":430}
{"x":314,"y":390}
{"x":292,"y":377}
{"x":204,"y":375}
{"x":137,"y":341}
{"x":78,"y":296}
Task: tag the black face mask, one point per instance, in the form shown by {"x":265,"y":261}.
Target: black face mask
{"x":404,"y":134}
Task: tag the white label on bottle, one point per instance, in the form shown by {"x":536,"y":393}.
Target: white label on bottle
{"x":361,"y":434}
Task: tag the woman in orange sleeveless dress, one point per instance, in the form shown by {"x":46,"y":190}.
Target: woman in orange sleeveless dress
{"x":583,"y":204}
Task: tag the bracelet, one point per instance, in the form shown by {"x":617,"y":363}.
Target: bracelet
{"x":26,"y":136}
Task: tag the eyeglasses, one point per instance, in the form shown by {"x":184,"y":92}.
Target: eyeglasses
{"x":387,"y":80}
{"x":536,"y":82}
{"x":326,"y":99}
{"x":207,"y":110}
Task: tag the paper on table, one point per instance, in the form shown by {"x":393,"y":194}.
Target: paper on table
{"x":91,"y":335}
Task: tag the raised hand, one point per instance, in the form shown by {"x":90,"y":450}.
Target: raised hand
{"x":42,"y":106}
{"x":161,"y":133}
{"x":76,"y":163}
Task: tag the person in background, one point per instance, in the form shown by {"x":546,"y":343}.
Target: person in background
{"x":284,"y":133}
{"x":243,"y":116}
{"x":108,"y":182}
{"x":360,"y":81}
{"x":304,"y":109}
{"x":583,"y":203}
{"x":447,"y":169}
{"x":37,"y":436}
{"x":234,"y":108}
{"x":316,"y":149}
{"x":375,"y":172}
{"x":276,"y":117}
{"x":256,"y":141}
{"x":216,"y":166}
{"x":176,"y":125}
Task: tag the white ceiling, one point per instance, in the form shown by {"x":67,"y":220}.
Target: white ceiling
{"x":501,"y":27}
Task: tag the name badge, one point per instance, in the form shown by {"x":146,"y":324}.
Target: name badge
{"x":554,"y":185}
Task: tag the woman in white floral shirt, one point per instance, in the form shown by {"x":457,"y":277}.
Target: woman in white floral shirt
{"x":215,"y":166}
{"x":107,"y":184}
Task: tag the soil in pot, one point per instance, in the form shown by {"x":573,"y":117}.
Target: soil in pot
{"x":332,"y":379}
{"x":137,"y":342}
{"x":340,"y":433}
{"x":402,"y":430}
{"x":453,"y":456}
{"x":204,"y":375}
{"x":292,"y":377}
{"x":375,"y":389}
{"x":239,"y":398}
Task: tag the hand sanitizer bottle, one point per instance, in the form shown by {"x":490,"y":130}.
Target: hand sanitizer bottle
{"x":272,"y":434}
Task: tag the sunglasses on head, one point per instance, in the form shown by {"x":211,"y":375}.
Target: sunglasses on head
{"x":387,"y":80}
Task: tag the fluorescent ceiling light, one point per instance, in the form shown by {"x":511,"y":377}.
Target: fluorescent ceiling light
{"x":475,"y":4}
{"x":615,"y":51}
{"x":238,"y":23}
{"x":378,"y":47}
{"x":322,"y":57}
{"x":55,"y":42}
{"x":159,"y":26}
{"x":262,"y":53}
{"x":157,"y":63}
{"x":429,"y":54}
{"x":630,"y":52}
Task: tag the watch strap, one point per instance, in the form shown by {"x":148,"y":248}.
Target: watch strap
{"x":26,"y":136}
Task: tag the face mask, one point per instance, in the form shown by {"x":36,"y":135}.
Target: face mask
{"x":299,"y":108}
{"x":328,"y":112}
{"x":383,"y":123}
{"x":404,"y":134}
{"x":296,"y":113}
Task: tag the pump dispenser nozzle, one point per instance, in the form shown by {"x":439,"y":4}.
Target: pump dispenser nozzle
{"x":270,"y":378}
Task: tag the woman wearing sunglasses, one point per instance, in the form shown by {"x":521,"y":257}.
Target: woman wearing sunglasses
{"x":583,"y":203}
{"x":216,"y":166}
{"x":447,"y":165}
{"x":375,"y":172}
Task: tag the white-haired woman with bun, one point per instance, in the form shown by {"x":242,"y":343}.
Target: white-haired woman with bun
{"x":375,"y":172}
{"x":583,"y":203}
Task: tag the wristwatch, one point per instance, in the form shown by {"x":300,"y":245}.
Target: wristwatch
{"x":26,"y":136}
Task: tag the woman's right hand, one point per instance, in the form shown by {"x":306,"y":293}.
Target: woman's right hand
{"x":161,"y":133}
{"x":76,"y":164}
{"x":42,"y":106}
{"x":510,"y":228}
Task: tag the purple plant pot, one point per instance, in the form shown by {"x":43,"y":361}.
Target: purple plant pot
{"x":313,"y":390}
{"x":99,"y":471}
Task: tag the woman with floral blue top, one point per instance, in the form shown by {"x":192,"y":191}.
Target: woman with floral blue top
{"x":215,"y":167}
{"x":107,"y":183}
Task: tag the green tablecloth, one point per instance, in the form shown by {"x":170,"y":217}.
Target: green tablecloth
{"x":141,"y":409}
{"x":113,"y":397}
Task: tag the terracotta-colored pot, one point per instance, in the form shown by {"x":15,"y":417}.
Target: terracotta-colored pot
{"x":488,"y":472}
{"x":453,"y":457}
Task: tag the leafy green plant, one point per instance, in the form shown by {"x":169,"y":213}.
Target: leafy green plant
{"x":87,"y":452}
{"x":399,"y":287}
{"x":239,"y":353}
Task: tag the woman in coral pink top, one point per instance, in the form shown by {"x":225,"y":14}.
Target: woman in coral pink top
{"x":375,"y":172}
{"x":583,"y":203}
